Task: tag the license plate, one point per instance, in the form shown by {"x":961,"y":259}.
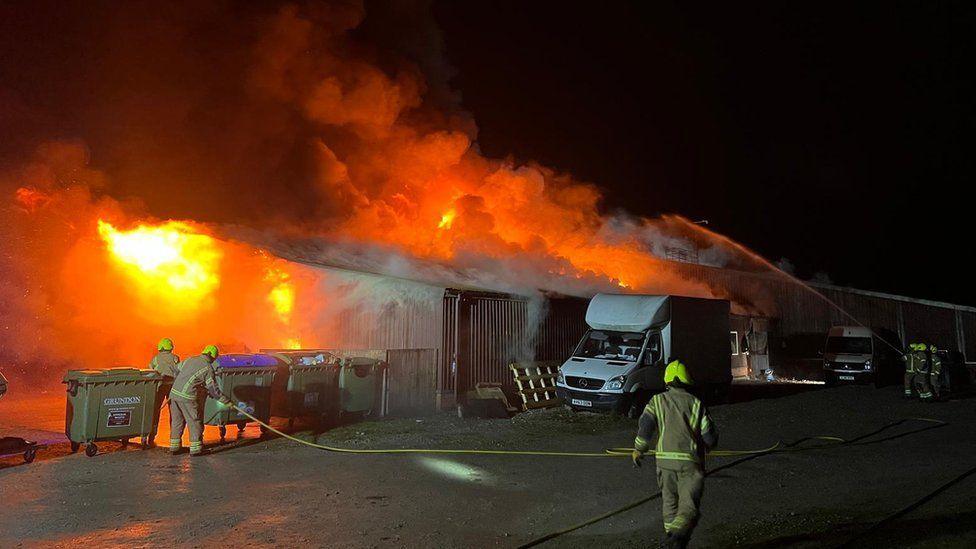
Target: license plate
{"x":846,"y":378}
{"x":578,"y":402}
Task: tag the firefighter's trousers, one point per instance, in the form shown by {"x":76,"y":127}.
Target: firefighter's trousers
{"x":188,"y":413}
{"x":909,"y":383}
{"x":681,"y":493}
{"x":161,"y":395}
{"x":938,"y":386}
{"x":922,"y":386}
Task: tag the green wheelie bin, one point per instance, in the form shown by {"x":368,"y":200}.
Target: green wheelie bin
{"x":306,"y":386}
{"x":246,"y":380}
{"x":110,"y":404}
{"x":360,"y":381}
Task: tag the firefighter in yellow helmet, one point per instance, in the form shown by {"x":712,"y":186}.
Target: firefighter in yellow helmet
{"x":935,"y":374}
{"x":910,"y":359}
{"x":167,"y":364}
{"x":196,"y":379}
{"x":685,"y":433}
{"x":921,"y":364}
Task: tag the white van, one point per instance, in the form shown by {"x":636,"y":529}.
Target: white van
{"x":849,"y":355}
{"x":620,"y":360}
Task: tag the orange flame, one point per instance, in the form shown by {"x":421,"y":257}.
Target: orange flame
{"x":169,"y":263}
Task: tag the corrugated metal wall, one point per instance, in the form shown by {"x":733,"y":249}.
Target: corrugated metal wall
{"x":492,"y":333}
{"x":484,"y":332}
{"x":462,"y":337}
{"x":561,"y":329}
{"x":801,"y":311}
{"x":449,"y":332}
{"x":409,"y":324}
{"x":411,"y":381}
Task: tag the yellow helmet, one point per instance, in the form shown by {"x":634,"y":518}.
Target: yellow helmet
{"x":165,"y":344}
{"x":212,"y":351}
{"x":932,"y":348}
{"x":913,"y":346}
{"x":921,"y":347}
{"x":677,"y":371}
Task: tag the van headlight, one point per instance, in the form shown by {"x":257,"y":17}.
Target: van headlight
{"x":615,"y":384}
{"x":867,"y":364}
{"x":559,"y":377}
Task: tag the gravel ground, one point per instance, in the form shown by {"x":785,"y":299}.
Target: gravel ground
{"x":275,"y":492}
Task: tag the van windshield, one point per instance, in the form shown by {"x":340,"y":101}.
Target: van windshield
{"x":611,"y":345}
{"x":849,"y":345}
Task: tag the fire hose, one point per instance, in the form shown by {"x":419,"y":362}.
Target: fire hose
{"x":609,"y":452}
{"x":745,"y":455}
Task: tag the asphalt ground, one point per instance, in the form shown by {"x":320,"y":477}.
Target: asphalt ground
{"x":275,"y":492}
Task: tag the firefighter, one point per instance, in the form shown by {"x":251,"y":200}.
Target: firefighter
{"x":935,"y":373}
{"x":684,"y":433}
{"x":195,"y":380}
{"x":922,"y":370}
{"x":909,"y":360}
{"x":167,"y":364}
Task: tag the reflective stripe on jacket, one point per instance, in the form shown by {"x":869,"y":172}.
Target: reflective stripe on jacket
{"x":684,"y":430}
{"x":916,"y":361}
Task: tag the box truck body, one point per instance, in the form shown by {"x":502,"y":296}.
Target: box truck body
{"x":621,"y":359}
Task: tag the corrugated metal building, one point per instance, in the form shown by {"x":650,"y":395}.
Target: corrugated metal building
{"x":459,"y":337}
{"x":799,"y":314}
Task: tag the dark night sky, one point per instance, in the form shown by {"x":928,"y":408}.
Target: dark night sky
{"x":839,"y":136}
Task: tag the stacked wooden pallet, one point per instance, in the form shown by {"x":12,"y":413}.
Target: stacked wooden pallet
{"x":536,"y":384}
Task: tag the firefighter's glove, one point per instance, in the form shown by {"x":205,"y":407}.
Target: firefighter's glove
{"x":636,"y":457}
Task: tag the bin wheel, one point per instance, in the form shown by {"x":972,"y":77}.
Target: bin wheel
{"x":75,"y":446}
{"x":291,"y":423}
{"x":240,"y":426}
{"x":30,"y":454}
{"x":144,"y":442}
{"x":91,"y":449}
{"x":124,"y":442}
{"x":264,"y":430}
{"x":223,"y":432}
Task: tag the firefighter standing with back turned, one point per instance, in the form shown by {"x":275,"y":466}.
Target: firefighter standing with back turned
{"x":935,"y":374}
{"x":167,"y":364}
{"x":188,"y":396}
{"x":917,"y":372}
{"x":685,"y":433}
{"x":909,"y":358}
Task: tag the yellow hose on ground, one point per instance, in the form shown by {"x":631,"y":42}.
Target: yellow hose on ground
{"x":610,"y":452}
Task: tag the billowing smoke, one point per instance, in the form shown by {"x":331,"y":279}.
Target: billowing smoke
{"x":287,"y":136}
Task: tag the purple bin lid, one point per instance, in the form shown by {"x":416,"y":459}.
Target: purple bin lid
{"x":246,"y":361}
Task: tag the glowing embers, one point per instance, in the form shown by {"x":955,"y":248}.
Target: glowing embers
{"x":170,"y":261}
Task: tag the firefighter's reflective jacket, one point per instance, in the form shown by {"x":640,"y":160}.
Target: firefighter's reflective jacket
{"x":916,"y":362}
{"x":685,"y":430}
{"x":196,"y":375}
{"x":166,"y":363}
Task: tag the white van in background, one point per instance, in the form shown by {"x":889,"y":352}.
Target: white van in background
{"x":854,"y":354}
{"x":620,"y":361}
